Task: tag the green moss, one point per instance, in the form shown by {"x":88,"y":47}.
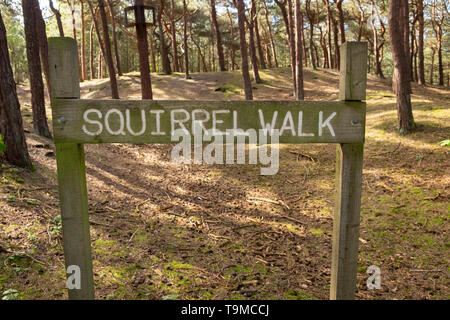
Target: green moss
{"x":316,"y":232}
{"x":296,"y":295}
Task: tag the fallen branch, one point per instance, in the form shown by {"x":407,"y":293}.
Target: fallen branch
{"x":303,"y":155}
{"x":279,"y":202}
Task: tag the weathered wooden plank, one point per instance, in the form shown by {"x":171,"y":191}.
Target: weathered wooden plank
{"x":75,"y":216}
{"x":112,"y":121}
{"x":71,"y":170}
{"x":353,"y":75}
{"x":63,"y":73}
{"x":344,"y":265}
{"x":349,"y":163}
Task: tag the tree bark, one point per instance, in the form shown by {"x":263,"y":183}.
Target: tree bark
{"x":243,"y":44}
{"x":269,"y":27}
{"x":43,"y":44}
{"x":186,"y":48}
{"x":58,"y":18}
{"x":251,"y":42}
{"x":162,"y":42}
{"x":401,"y":80}
{"x":329,"y":48}
{"x":105,"y":46}
{"x":114,"y":36}
{"x":74,"y":33}
{"x":11,"y":127}
{"x":310,"y":16}
{"x":91,"y":51}
{"x":259,"y":46}
{"x":232,"y":51}
{"x":341,"y":20}
{"x":144,"y":64}
{"x":218,"y":36}
{"x":152,"y":52}
{"x":404,"y":27}
{"x":421,"y":74}
{"x":337,"y":55}
{"x":291,"y":40}
{"x":433,"y":52}
{"x":376,"y":45}
{"x":108,"y":54}
{"x":34,"y":69}
{"x":173,"y":31}
{"x":201,"y":55}
{"x":300,"y":94}
{"x":83,"y":45}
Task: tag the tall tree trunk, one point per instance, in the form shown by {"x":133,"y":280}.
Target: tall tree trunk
{"x":83,"y":43}
{"x":243,"y":44}
{"x":34,"y":69}
{"x":269,"y":27}
{"x":218,"y":36}
{"x":441,"y":65}
{"x":259,"y":46}
{"x":291,"y":40}
{"x":305,"y":52}
{"x":232,"y":51}
{"x":412,"y":50}
{"x":105,"y":46}
{"x":329,"y":48}
{"x":91,"y":51}
{"x":323,"y":44}
{"x":100,"y":65}
{"x":401,"y":81}
{"x":251,"y":42}
{"x":74,"y":33}
{"x":108,"y":53}
{"x":144,"y":64}
{"x":337,"y":55}
{"x":404,"y":27}
{"x":200,"y":54}
{"x":421,"y":79}
{"x":11,"y":127}
{"x":58,"y":18}
{"x":268,"y":57}
{"x":300,"y":94}
{"x":114,"y":36}
{"x":162,"y":41}
{"x":361,"y":20}
{"x":341,"y":20}
{"x":152,"y":52}
{"x":43,"y":44}
{"x":173,"y":31}
{"x":309,"y":14}
{"x":185,"y":38}
{"x":433,"y":52}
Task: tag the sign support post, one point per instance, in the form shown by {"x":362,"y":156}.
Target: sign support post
{"x":349,"y":163}
{"x":63,"y":59}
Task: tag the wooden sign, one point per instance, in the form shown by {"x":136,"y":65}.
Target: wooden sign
{"x":115,"y":121}
{"x":76,"y":122}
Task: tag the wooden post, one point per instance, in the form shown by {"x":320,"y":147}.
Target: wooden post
{"x":64,"y":76}
{"x":344,"y":267}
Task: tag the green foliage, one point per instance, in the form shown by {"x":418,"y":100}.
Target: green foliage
{"x":10,"y":294}
{"x":445,"y":143}
{"x":15,"y":34}
{"x":57,"y":225}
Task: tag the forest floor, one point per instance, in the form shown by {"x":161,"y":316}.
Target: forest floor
{"x":166,"y":231}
